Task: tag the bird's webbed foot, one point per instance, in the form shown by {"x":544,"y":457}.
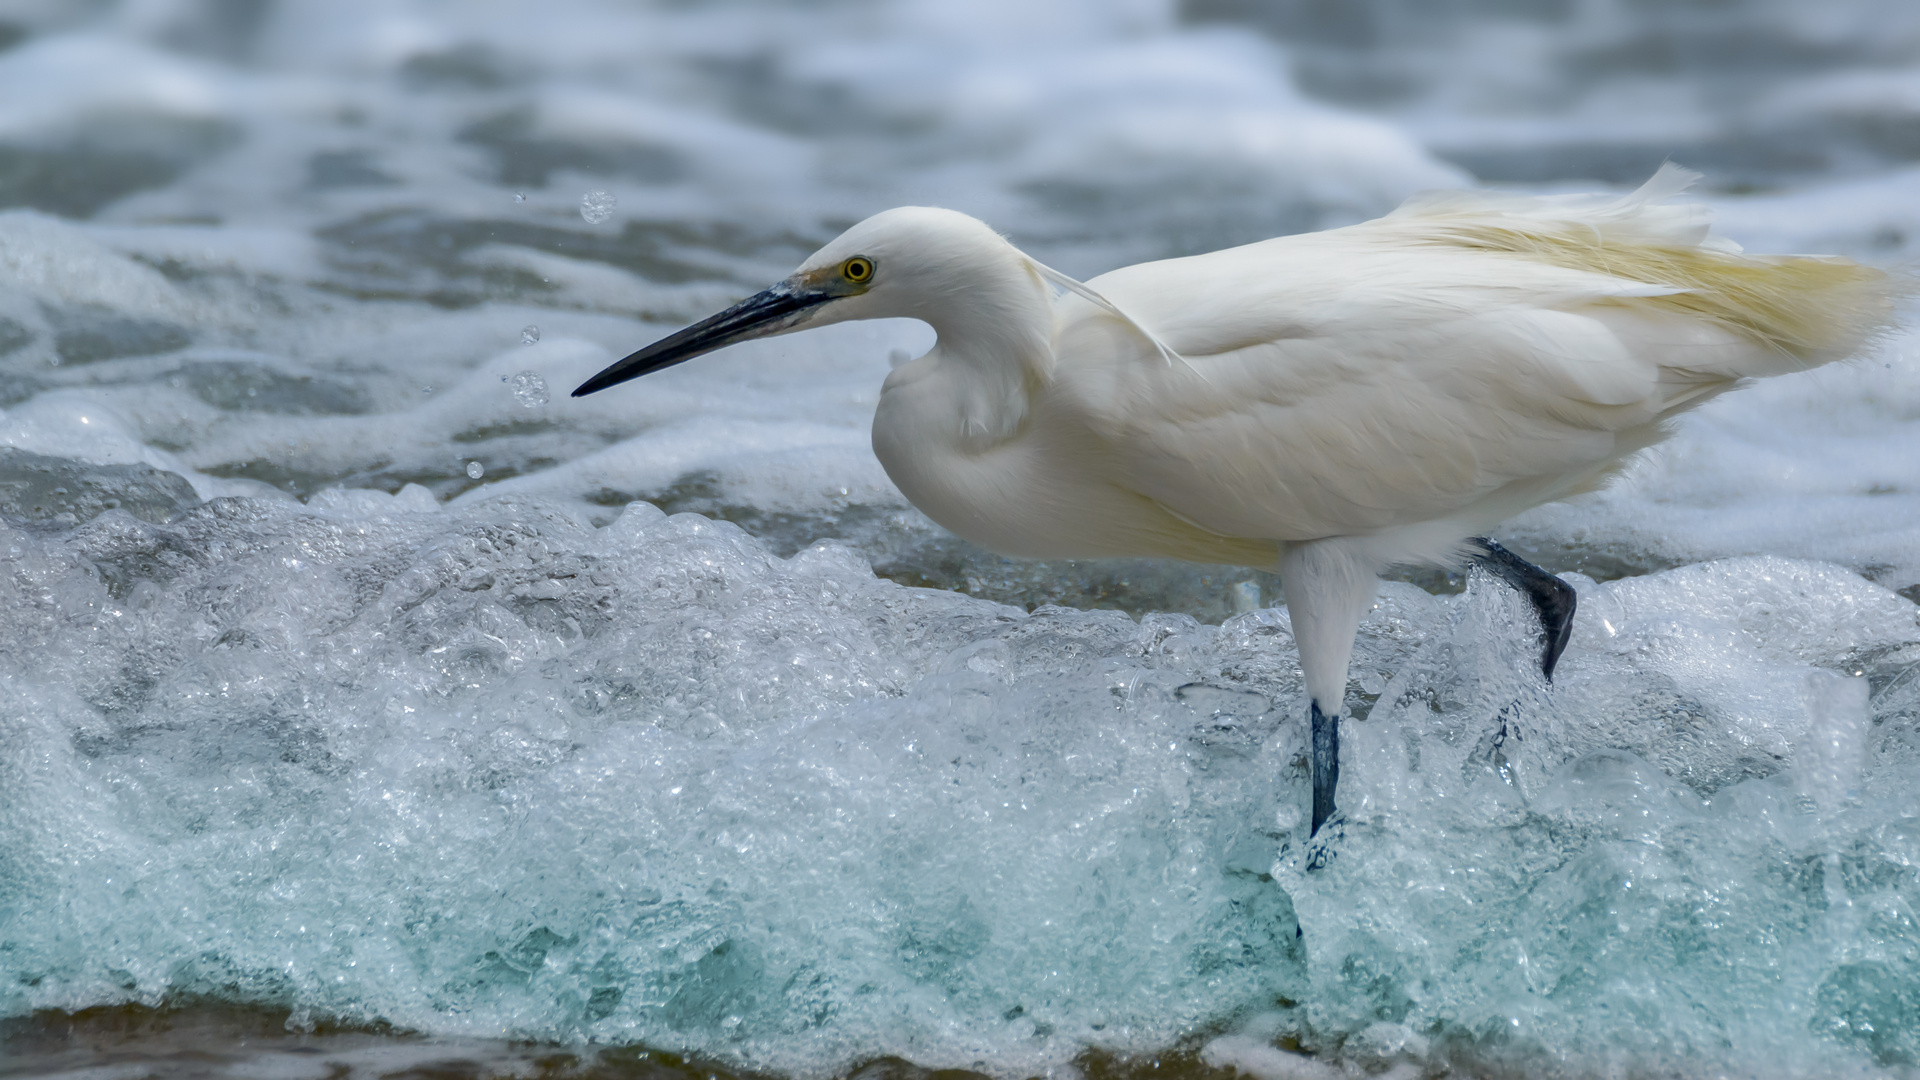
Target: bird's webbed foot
{"x":1553,"y":600}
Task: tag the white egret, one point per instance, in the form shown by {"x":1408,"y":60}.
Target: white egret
{"x":1326,"y":405}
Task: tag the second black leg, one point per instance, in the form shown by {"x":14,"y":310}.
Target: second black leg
{"x":1553,"y":600}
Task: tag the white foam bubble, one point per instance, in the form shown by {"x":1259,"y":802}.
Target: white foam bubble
{"x":597,"y":206}
{"x":529,"y":389}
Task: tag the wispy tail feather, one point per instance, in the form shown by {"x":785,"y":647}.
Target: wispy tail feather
{"x":1807,"y":309}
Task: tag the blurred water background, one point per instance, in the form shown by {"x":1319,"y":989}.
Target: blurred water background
{"x":369,"y":707}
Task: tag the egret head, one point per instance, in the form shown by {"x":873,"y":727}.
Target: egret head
{"x":890,"y":265}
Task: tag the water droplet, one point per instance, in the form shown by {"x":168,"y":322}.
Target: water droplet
{"x":530,"y":389}
{"x":519,"y":196}
{"x":529,"y":335}
{"x":597,"y":206}
{"x":475,"y":470}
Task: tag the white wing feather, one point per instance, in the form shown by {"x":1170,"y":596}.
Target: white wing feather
{"x":1463,"y":358}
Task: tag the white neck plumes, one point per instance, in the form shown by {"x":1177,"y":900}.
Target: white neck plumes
{"x":996,"y":347}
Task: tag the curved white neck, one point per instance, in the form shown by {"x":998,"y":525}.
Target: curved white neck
{"x":995,"y":345}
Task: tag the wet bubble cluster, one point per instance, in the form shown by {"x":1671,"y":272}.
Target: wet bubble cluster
{"x":529,"y":389}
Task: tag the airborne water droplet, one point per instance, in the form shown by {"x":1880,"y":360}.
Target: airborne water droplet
{"x":530,"y":389}
{"x":529,"y":335}
{"x":475,"y":470}
{"x":519,"y":196}
{"x":597,"y":206}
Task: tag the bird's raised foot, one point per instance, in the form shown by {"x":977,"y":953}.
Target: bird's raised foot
{"x":1553,"y":600}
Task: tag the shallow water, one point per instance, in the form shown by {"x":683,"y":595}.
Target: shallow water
{"x":368,"y":704}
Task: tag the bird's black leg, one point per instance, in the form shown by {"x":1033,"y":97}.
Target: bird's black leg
{"x":1553,"y":600}
{"x":1325,"y":758}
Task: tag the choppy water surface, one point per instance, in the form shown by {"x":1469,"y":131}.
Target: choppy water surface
{"x":369,"y":707}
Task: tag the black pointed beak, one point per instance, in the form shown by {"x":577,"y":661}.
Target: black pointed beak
{"x":764,"y":313}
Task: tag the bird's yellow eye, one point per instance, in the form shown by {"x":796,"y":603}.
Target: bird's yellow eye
{"x":857,"y":269}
